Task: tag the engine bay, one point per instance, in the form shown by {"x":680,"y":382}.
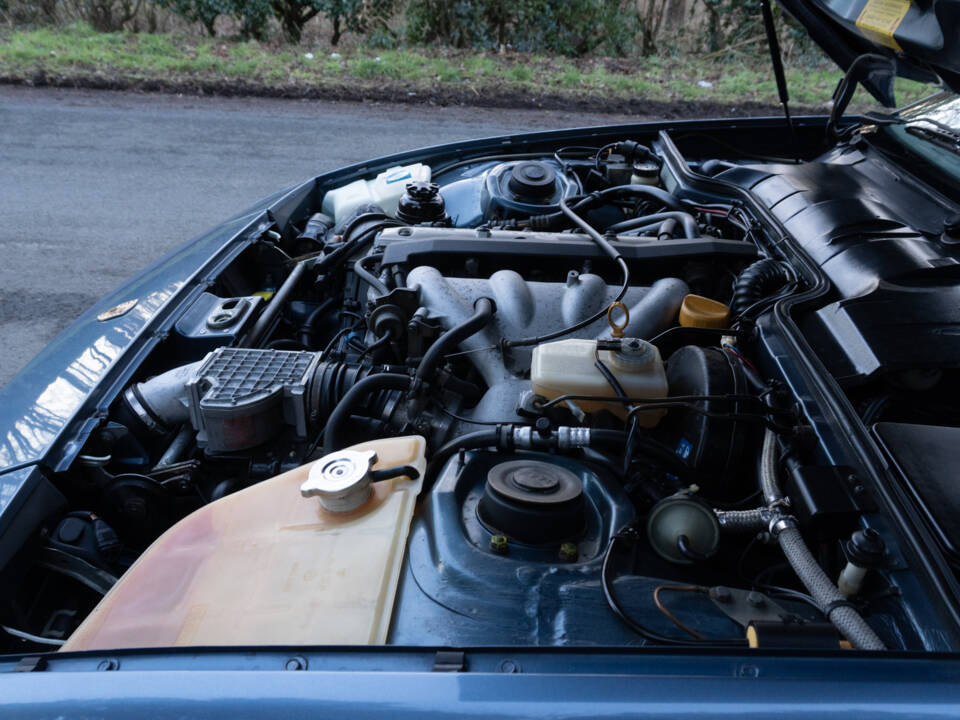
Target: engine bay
{"x":606,"y":441}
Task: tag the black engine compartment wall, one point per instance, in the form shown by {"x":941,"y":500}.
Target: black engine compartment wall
{"x":876,"y":233}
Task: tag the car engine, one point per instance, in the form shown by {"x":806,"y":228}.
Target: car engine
{"x":602,"y":446}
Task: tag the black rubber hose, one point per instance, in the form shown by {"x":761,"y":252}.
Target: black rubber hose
{"x":687,"y":220}
{"x":668,"y":199}
{"x":666,"y":230}
{"x":714,"y":167}
{"x":556,"y":220}
{"x":360,"y":270}
{"x":482,"y":312}
{"x":759,"y":280}
{"x":332,"y":439}
{"x":279,"y":299}
{"x":471,"y":441}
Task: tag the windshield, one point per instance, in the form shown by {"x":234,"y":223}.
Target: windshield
{"x":932,"y":131}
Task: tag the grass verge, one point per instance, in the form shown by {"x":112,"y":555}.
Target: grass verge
{"x":79,"y":56}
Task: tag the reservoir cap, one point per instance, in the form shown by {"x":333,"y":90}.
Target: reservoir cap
{"x":341,"y":480}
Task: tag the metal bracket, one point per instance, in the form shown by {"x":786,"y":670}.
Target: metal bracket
{"x":747,"y":606}
{"x":450,"y":661}
{"x":31,"y":664}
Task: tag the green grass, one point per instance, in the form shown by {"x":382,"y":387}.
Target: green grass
{"x":77,"y":51}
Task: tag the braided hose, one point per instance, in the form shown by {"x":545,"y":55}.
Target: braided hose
{"x":832,"y":602}
{"x":845,"y":618}
{"x":743,"y":521}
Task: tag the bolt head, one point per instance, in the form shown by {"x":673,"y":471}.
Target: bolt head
{"x":721,"y":594}
{"x":568,"y":552}
{"x":295,"y":663}
{"x":498,"y":544}
{"x":755,"y":599}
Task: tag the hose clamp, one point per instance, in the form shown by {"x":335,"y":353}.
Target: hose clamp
{"x":133,"y":399}
{"x":523,"y":437}
{"x":573,"y":437}
{"x":779,"y":523}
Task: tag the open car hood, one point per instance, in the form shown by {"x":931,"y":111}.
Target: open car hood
{"x":921,"y":36}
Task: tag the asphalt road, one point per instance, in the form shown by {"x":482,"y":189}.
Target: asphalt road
{"x":96,"y":185}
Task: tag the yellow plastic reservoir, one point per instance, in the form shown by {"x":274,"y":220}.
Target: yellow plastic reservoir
{"x":568,"y":367}
{"x":702,"y":312}
{"x":268,"y":566}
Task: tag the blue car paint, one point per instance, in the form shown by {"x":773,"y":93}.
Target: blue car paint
{"x":495,"y":683}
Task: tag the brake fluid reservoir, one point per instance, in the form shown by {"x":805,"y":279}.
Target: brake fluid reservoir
{"x":273,"y":565}
{"x":568,"y":367}
{"x":384,"y":190}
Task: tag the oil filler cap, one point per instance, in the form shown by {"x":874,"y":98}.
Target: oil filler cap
{"x":341,"y":480}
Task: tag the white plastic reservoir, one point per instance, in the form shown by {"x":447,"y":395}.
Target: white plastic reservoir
{"x":568,"y":367}
{"x":384,"y":190}
{"x":268,"y":566}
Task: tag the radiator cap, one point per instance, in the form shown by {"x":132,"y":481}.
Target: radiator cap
{"x":341,"y":480}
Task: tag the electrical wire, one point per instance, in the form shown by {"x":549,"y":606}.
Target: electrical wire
{"x":590,"y":149}
{"x":670,"y":616}
{"x":460,"y":418}
{"x":632,"y":417}
{"x":596,"y":159}
{"x":772,"y":589}
{"x":340,"y":333}
{"x":641,"y":630}
{"x":625,"y":285}
{"x":376,"y":344}
{"x":736,"y":352}
{"x":30,"y":637}
{"x":676,"y":399}
{"x":683,"y":401}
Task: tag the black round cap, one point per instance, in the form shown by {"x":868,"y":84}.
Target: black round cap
{"x":532,"y":179}
{"x":421,"y":203}
{"x":865,"y":548}
{"x":533,"y":502}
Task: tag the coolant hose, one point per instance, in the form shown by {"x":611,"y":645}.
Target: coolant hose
{"x":756,"y":282}
{"x":482,"y":312}
{"x":332,"y":439}
{"x":832,"y":602}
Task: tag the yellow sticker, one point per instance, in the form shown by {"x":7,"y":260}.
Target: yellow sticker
{"x":879,"y":19}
